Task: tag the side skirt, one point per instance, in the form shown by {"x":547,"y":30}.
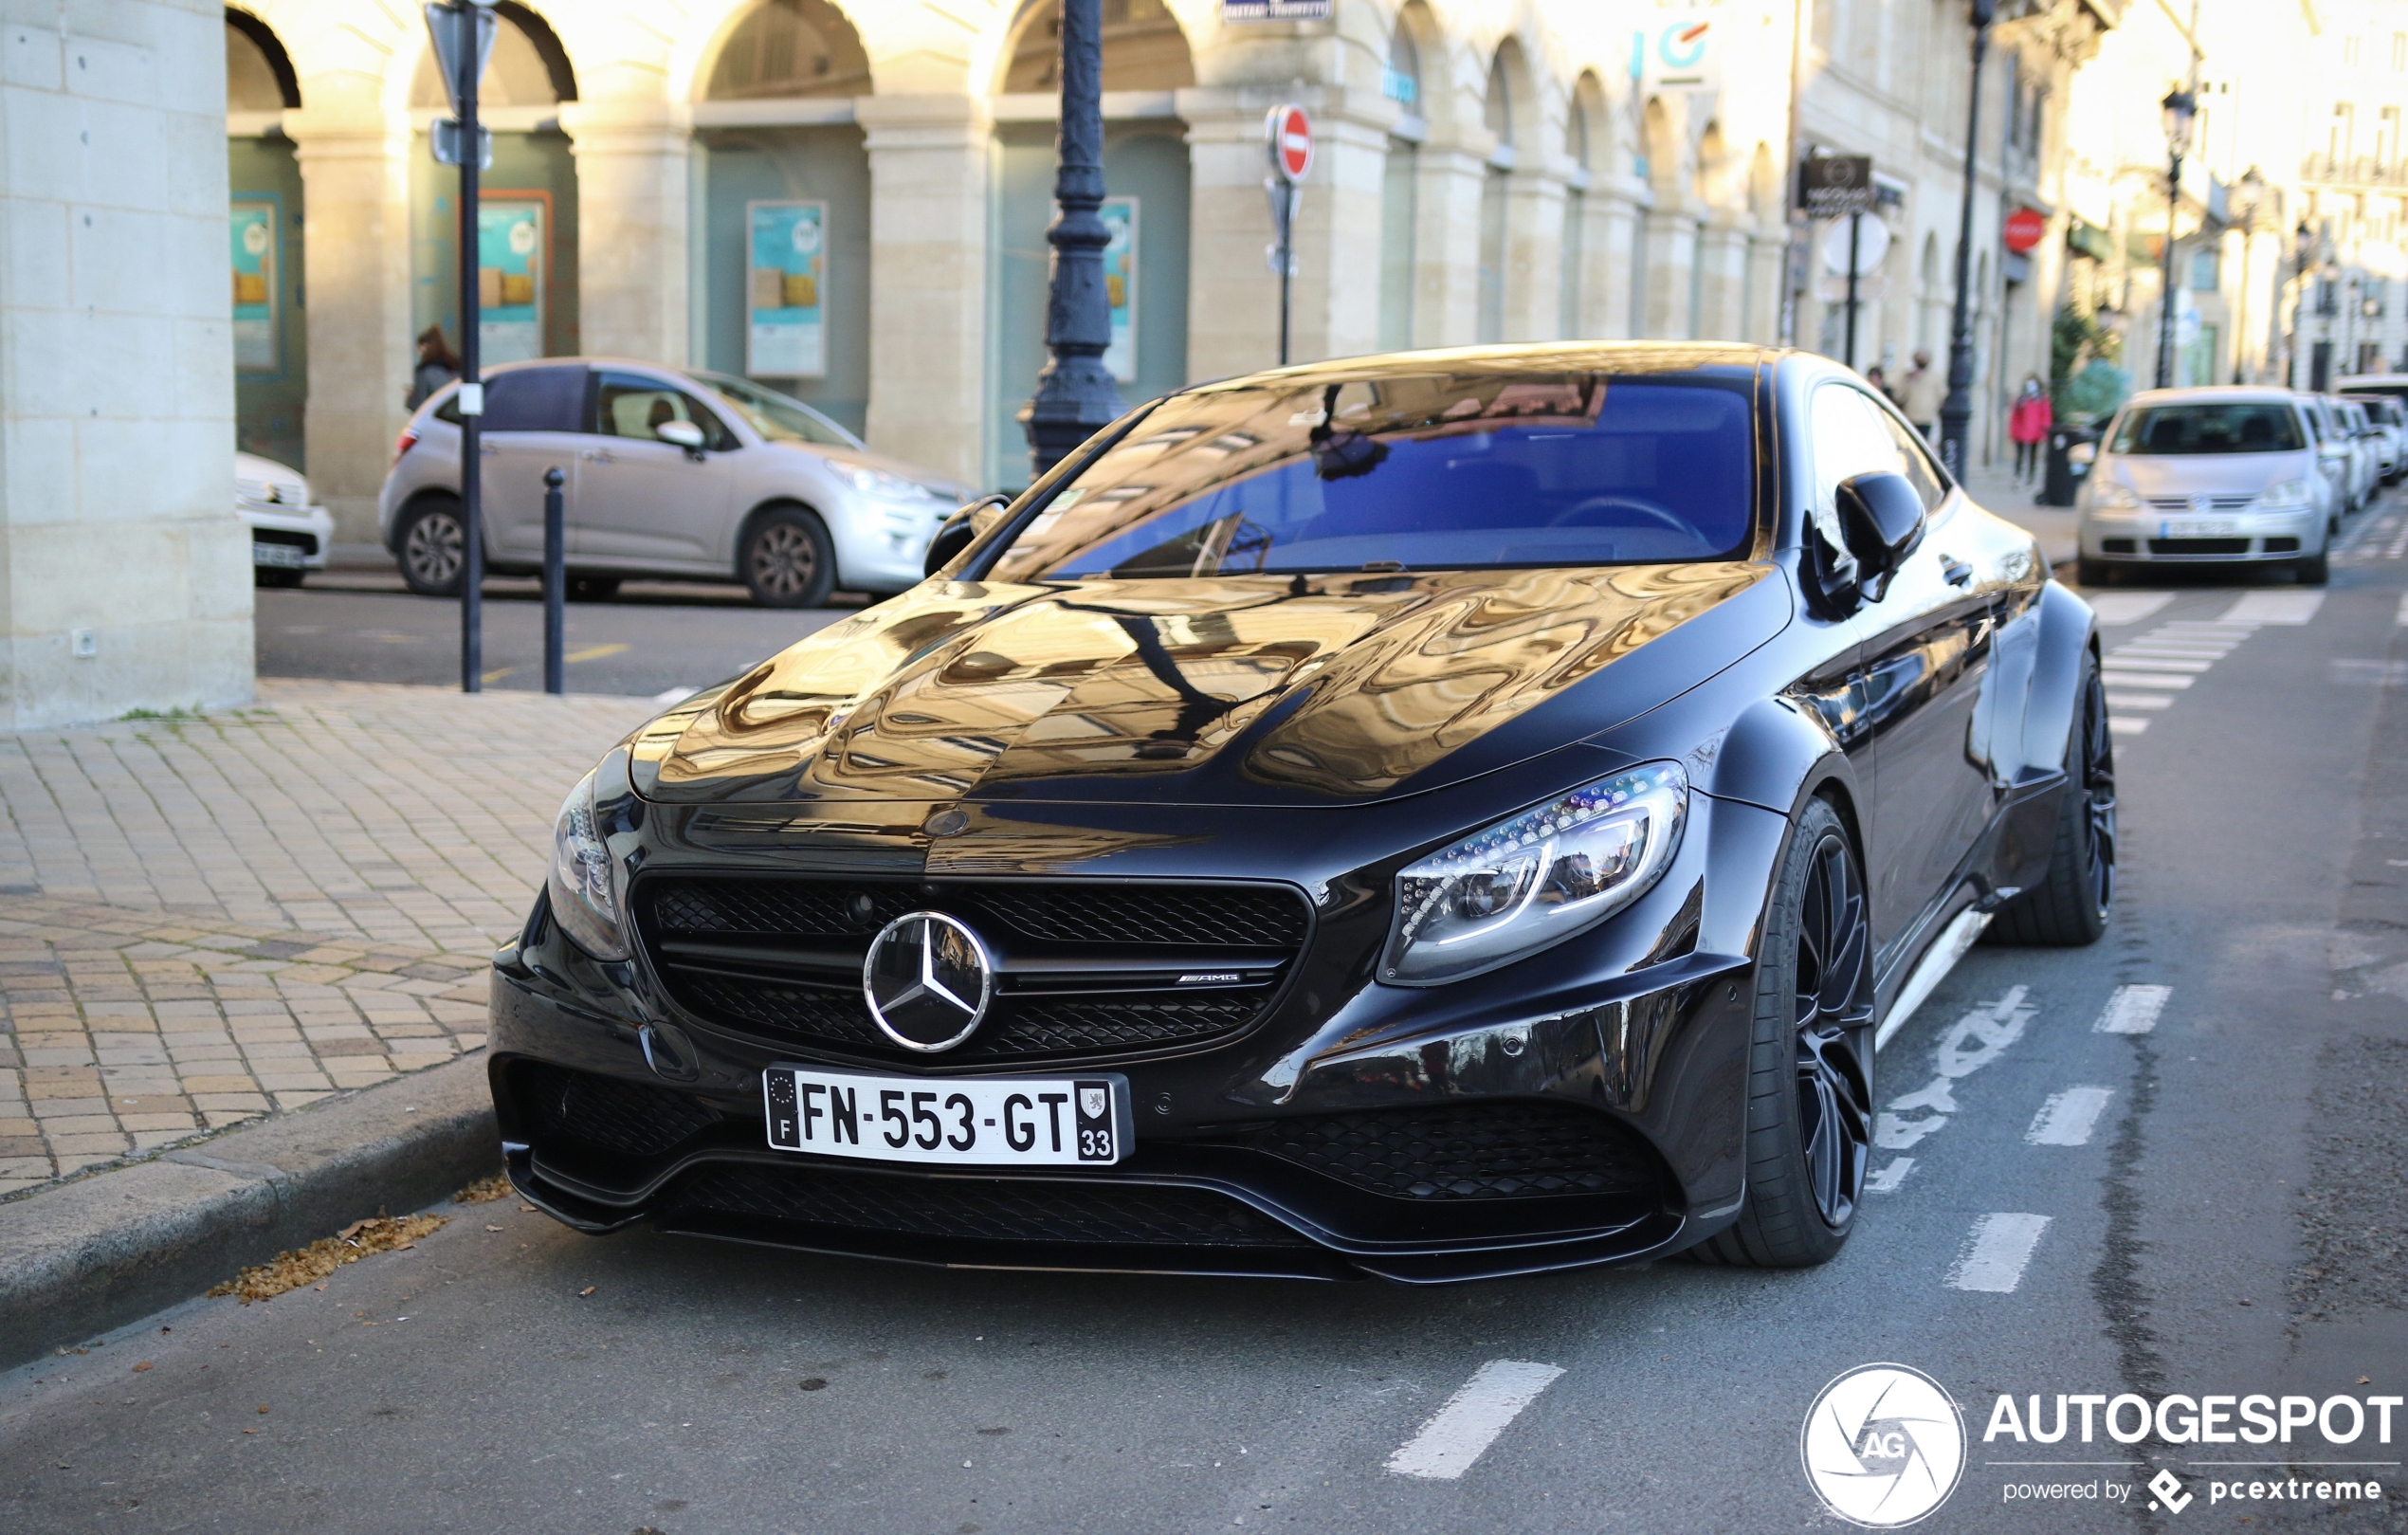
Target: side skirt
{"x":1938,"y":960}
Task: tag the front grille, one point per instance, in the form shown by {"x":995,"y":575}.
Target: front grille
{"x":628,"y":1118}
{"x":2214,"y":503}
{"x":781,"y":958}
{"x":2281,"y":546}
{"x":306,"y":542}
{"x":1468,"y":1151}
{"x":2198,"y":546}
{"x":999,"y":1209}
{"x":2115,"y":546}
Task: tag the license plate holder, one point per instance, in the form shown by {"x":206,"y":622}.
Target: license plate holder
{"x":278,"y":556}
{"x":1078,"y":1119}
{"x":2197,"y":527}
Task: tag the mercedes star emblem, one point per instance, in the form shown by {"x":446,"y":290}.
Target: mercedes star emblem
{"x":928,"y":980}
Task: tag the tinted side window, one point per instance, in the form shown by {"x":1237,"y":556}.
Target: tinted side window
{"x":536,"y":399}
{"x":1847,"y":442}
{"x":628,"y":405}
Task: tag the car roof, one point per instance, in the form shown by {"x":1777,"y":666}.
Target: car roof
{"x":1596,"y":357}
{"x":2212,"y":393}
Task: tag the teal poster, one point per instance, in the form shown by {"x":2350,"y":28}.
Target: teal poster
{"x":510,"y":251}
{"x":255,"y":229}
{"x":786,"y":280}
{"x":1119,"y":286}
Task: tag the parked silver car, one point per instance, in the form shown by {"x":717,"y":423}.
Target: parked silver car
{"x":2210,"y":476}
{"x":2347,"y":462}
{"x":670,"y":472}
{"x":2391,"y":432}
{"x":289,"y":532}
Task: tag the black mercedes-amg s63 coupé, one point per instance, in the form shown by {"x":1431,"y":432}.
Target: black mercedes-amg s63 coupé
{"x":1433,"y":815}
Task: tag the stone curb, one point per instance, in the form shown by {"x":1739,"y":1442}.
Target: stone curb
{"x":104,"y":1251}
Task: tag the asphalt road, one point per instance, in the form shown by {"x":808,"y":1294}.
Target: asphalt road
{"x":654,"y":637}
{"x":2214,"y":1205}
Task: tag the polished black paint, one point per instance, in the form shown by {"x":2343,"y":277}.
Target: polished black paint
{"x":1226,"y":730}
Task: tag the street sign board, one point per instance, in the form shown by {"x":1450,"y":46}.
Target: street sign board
{"x":1872,"y":243}
{"x":1275,"y":9}
{"x":2025,"y":229}
{"x":448,"y":25}
{"x":1289,"y":135}
{"x":1834,"y":186}
{"x":1679,"y":50}
{"x":443,"y":139}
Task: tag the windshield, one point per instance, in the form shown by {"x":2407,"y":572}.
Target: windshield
{"x":2239,"y":427}
{"x":1428,"y":471}
{"x":776,"y":417}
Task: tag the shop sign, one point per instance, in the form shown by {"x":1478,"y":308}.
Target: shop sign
{"x":785,"y":286}
{"x":1119,"y":286}
{"x":257,"y":255}
{"x":510,"y":279}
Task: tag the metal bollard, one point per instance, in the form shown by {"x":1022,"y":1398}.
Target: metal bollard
{"x":556,"y":582}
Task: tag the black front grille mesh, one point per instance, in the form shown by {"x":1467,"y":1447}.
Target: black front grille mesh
{"x":1204,"y":916}
{"x":1469,"y":1151}
{"x":627,"y":1119}
{"x":988,"y":1211}
{"x":1017,"y":1028}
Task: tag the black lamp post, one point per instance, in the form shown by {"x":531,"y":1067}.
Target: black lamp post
{"x":1956,"y":409}
{"x":2180,"y":107}
{"x":2303,"y":252}
{"x":1076,"y":396}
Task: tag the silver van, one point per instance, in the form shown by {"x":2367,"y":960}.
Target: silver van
{"x":2227,"y":475}
{"x":670,"y":472}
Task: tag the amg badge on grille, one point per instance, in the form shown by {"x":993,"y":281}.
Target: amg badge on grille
{"x":928,"y":980}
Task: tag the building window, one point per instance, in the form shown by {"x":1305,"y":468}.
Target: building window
{"x":2337,"y":138}
{"x":2207,"y":268}
{"x":2349,"y":51}
{"x":1400,"y":80}
{"x":2400,"y":50}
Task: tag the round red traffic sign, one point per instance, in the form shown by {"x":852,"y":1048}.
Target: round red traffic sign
{"x":2025,"y":229}
{"x":1290,"y":134}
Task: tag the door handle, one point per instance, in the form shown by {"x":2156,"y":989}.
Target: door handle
{"x":1954,"y":571}
{"x":597,"y":455}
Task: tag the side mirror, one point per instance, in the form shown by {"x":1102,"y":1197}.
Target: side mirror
{"x":2082,"y":453}
{"x":683,"y":435}
{"x":2332,"y":449}
{"x":1882,"y":516}
{"x":972,"y":521}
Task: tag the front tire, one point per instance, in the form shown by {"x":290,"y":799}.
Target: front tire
{"x":1810,"y":1099}
{"x":2069,"y":907}
{"x":2316,"y":570}
{"x":2092,"y":573}
{"x":787,"y":560}
{"x":431,"y":550}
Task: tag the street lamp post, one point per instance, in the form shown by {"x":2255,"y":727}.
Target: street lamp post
{"x":2248,"y":202}
{"x":1076,"y":397}
{"x":2303,"y":252}
{"x":462,"y":33}
{"x":1956,"y":409}
{"x":2180,"y":107}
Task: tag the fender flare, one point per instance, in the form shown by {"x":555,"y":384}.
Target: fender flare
{"x":775,"y":504}
{"x":2069,"y":631}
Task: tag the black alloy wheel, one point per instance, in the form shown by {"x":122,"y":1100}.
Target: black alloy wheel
{"x":787,"y":560}
{"x":2068,"y":909}
{"x":433,"y":549}
{"x":1810,"y":1109}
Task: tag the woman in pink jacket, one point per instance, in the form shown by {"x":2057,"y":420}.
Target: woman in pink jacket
{"x":2028,"y":424}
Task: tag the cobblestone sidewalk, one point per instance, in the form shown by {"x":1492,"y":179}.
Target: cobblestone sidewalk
{"x":203,"y":920}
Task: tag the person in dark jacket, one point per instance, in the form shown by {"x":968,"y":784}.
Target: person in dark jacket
{"x":437,"y":366}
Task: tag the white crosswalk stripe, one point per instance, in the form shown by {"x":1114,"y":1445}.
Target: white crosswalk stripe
{"x":2275,"y":608}
{"x":2133,"y":1010}
{"x":2068,"y":1117}
{"x":1997,"y":1253}
{"x":1462,"y":1430}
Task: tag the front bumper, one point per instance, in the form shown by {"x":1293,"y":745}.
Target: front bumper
{"x":1585,"y":1105}
{"x":2253,"y":536}
{"x":307,"y":532}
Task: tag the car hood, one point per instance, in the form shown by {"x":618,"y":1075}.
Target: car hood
{"x":1250,"y":691}
{"x":2230,"y":474}
{"x":944,"y":485}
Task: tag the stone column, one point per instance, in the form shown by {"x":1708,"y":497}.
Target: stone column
{"x":1766,"y":273}
{"x":125,"y":580}
{"x":1454,"y":164}
{"x":928,"y":286}
{"x":1721,"y":254}
{"x":633,"y":160}
{"x":1233,"y":294}
{"x":1672,"y":260}
{"x":1616,"y":207}
{"x":1534,"y":255}
{"x":355,"y":172}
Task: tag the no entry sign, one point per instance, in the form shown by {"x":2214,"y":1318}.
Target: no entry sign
{"x":2024,"y":229}
{"x":1289,"y":134}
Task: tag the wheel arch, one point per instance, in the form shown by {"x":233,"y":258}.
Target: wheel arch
{"x":768,"y":505}
{"x":408,"y":511}
{"x":2069,"y":634}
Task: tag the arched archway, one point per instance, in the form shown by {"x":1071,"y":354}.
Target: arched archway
{"x":1509,"y":113}
{"x":786,"y":280}
{"x":529,"y":67}
{"x":271,"y":348}
{"x":1143,"y":48}
{"x":1584,"y":118}
{"x":1412,"y":55}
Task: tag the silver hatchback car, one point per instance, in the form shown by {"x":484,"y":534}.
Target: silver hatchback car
{"x":669,"y":473}
{"x":2209,"y":476}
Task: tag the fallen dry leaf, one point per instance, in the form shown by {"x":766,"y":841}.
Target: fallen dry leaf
{"x":263,"y":1409}
{"x":493,"y":1228}
{"x":588,"y":1291}
{"x":250,"y":1430}
{"x":290,"y":1270}
{"x":530,"y":1210}
{"x":485,"y":1190}
{"x":140,"y":1368}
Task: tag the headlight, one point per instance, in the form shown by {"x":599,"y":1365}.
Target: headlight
{"x":585,"y":878}
{"x":879,"y":483}
{"x":1536,"y":879}
{"x":2289,"y":496}
{"x":2106,"y":496}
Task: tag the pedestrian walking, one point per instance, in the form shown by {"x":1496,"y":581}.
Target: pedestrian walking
{"x":1873,"y":376}
{"x":1919,"y":398}
{"x":2028,"y":426}
{"x":437,"y":366}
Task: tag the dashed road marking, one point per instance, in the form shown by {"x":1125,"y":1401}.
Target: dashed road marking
{"x":2274,"y":607}
{"x":1464,"y":1428}
{"x":2068,"y":1117}
{"x":2119,"y":724}
{"x":1887,"y":1178}
{"x":2133,"y":659}
{"x":2133,"y":1010}
{"x":2137,"y":701}
{"x":2362,"y":673}
{"x":2115,"y":607}
{"x":2115,"y":678}
{"x":1997,"y":1251}
{"x":2402,"y":618}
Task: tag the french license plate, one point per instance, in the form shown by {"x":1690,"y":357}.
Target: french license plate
{"x":282,"y":555}
{"x":1014,"y":1122}
{"x":2197,"y":527}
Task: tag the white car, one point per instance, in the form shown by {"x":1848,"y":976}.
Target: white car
{"x":289,"y":533}
{"x":667,"y":472}
{"x":2220,"y":475}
